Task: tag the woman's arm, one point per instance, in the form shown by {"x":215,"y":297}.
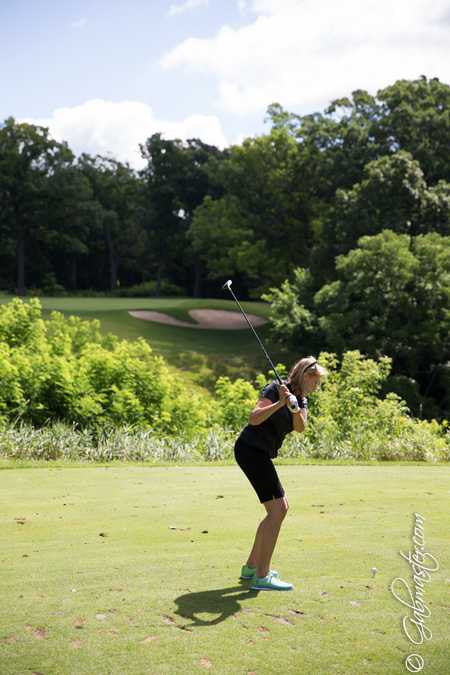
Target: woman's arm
{"x":299,"y":420}
{"x":265,"y":408}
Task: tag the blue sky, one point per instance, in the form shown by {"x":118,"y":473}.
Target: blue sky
{"x":105,"y":75}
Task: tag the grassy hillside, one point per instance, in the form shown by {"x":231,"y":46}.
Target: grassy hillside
{"x":202,"y":355}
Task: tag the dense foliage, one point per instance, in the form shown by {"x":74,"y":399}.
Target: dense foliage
{"x":391,"y":296}
{"x":297,"y":196}
{"x":70,"y":225}
{"x":302,"y":214}
{"x":67,"y":392}
{"x":307,"y":191}
{"x":65,"y":370}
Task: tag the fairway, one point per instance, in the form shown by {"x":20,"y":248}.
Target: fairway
{"x":95,"y":580}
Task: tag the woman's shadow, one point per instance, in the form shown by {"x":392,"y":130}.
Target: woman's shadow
{"x":223,"y":601}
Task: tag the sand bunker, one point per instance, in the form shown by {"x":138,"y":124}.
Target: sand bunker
{"x":221,"y":319}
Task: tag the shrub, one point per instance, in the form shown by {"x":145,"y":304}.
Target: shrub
{"x":235,"y":401}
{"x":346,"y":419}
{"x":148,"y":290}
{"x":80,"y":395}
{"x":67,"y":371}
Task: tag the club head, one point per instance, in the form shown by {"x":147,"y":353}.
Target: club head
{"x":227,"y":284}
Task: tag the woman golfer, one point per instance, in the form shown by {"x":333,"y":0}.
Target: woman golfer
{"x":259,"y":441}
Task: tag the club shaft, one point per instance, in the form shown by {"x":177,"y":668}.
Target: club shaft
{"x":256,"y":336}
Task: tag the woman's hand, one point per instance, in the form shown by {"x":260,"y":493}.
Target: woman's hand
{"x":283,"y":393}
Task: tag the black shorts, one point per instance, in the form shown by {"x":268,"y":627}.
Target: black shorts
{"x":260,"y":470}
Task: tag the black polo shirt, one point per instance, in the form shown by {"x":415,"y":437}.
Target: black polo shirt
{"x":270,"y":434}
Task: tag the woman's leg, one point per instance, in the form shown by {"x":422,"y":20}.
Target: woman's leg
{"x":267,"y":535}
{"x":261,"y":472}
{"x":253,"y":558}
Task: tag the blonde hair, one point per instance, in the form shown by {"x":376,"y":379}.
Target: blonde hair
{"x":295,"y":377}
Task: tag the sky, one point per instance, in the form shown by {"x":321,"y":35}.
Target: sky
{"x":104,"y":75}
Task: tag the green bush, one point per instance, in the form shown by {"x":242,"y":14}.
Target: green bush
{"x":148,"y":290}
{"x":65,"y":370}
{"x":67,"y":392}
{"x":346,"y":419}
{"x":235,"y":401}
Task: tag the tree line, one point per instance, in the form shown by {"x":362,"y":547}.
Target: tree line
{"x":88,"y":223}
{"x":340,"y":218}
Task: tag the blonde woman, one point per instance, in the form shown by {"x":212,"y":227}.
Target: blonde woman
{"x":258,"y":443}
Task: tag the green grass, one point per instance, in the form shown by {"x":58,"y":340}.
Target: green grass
{"x":181,"y":589}
{"x":200,"y":355}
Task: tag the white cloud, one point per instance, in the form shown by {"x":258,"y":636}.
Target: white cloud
{"x":303,"y":53}
{"x":189,"y":4}
{"x":240,"y":138}
{"x":79,"y":24}
{"x":101,"y":127}
{"x":273,"y":6}
{"x":241,"y":6}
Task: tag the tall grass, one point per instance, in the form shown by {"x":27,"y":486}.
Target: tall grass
{"x":418,"y":442}
{"x":65,"y":442}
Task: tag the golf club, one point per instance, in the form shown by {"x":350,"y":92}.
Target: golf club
{"x":293,"y":404}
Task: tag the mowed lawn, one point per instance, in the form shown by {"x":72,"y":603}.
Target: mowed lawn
{"x":95,"y":580}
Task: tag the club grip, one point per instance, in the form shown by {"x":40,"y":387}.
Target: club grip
{"x":293,"y":404}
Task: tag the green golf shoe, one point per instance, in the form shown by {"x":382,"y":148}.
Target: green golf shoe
{"x":270,"y":583}
{"x":249,"y":572}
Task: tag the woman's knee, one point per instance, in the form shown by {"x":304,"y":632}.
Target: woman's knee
{"x":278,"y":507}
{"x":284,"y":507}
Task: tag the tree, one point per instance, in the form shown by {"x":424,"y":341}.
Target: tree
{"x":410,"y":115}
{"x":69,"y":221}
{"x":117,"y":190}
{"x":415,"y":116}
{"x":335,"y":144}
{"x":268,"y":219}
{"x":392,"y":195}
{"x":8,"y":254}
{"x":177,"y":180}
{"x":294,"y":321}
{"x":361,"y":136}
{"x":391,"y":298}
{"x":27,"y":158}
